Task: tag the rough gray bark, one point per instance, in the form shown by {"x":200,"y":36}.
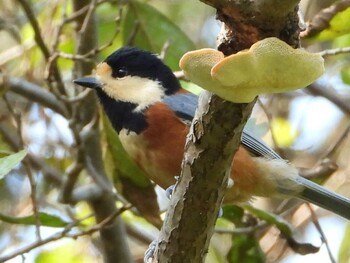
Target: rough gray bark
{"x":215,"y":136}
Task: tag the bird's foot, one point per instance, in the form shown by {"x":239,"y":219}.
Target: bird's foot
{"x":149,"y":253}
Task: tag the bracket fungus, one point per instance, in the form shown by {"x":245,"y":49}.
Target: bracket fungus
{"x":269,"y":66}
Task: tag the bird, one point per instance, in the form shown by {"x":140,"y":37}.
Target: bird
{"x":151,"y":114}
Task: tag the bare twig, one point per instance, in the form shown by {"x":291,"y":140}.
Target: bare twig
{"x":324,"y":168}
{"x":87,"y":18}
{"x":18,"y":120}
{"x":14,"y":52}
{"x":322,"y":234}
{"x":164,"y":50}
{"x":35,"y":25}
{"x":74,"y":170}
{"x":71,"y":177}
{"x":333,"y":52}
{"x":79,"y":98}
{"x":40,"y":41}
{"x":99,"y":180}
{"x":65,"y":233}
{"x":241,"y":230}
{"x":87,"y":56}
{"x":53,"y":175}
{"x":338,"y":143}
{"x":318,"y":90}
{"x":56,"y":41}
{"x":323,"y":18}
{"x":34,"y":93}
{"x":180,"y":75}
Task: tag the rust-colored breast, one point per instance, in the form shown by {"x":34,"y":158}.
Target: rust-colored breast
{"x":164,"y":141}
{"x":165,"y":137}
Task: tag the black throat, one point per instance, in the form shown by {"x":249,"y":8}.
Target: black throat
{"x":122,"y":114}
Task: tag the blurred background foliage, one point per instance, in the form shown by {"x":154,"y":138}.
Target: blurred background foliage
{"x":308,"y":127}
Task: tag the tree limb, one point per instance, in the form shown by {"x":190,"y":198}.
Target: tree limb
{"x":318,"y":90}
{"x":35,"y":93}
{"x":54,"y":176}
{"x":36,"y":28}
{"x":246,"y":22}
{"x":198,"y":195}
{"x":104,"y":224}
{"x":215,"y":133}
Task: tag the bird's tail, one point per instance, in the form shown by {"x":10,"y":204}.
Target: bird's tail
{"x":324,"y":198}
{"x":286,"y":182}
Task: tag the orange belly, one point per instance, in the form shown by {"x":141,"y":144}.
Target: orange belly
{"x":148,"y":150}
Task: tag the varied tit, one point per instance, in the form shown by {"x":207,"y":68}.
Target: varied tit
{"x":151,"y":114}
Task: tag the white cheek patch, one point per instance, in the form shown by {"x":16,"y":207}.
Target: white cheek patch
{"x":141,"y":91}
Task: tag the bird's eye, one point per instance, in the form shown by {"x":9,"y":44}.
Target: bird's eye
{"x":120,"y":72}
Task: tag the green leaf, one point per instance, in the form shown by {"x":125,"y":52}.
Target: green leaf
{"x":331,"y":23}
{"x":245,"y":248}
{"x":215,"y":254}
{"x":149,"y":29}
{"x":125,"y":165}
{"x":338,"y":26}
{"x":70,"y":252}
{"x":67,"y":45}
{"x":191,"y":87}
{"x":344,"y":251}
{"x":128,"y":178}
{"x":286,"y":231}
{"x":45,"y":220}
{"x":345,"y":74}
{"x":9,"y":162}
{"x":273,"y":219}
{"x":27,"y":33}
{"x":233,"y":213}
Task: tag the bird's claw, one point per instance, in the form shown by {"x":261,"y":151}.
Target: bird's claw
{"x":169,"y":191}
{"x":149,"y":253}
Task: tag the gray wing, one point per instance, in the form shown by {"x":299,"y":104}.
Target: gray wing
{"x":257,"y":147}
{"x":184,"y":105}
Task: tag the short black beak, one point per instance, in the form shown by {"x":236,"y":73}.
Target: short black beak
{"x":91,"y":83}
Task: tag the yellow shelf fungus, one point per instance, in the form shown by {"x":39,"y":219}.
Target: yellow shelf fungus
{"x":269,"y":66}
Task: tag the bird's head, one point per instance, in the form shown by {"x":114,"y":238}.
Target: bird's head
{"x":133,"y":75}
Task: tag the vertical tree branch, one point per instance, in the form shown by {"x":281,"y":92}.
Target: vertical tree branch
{"x":216,"y":131}
{"x":196,"y":201}
{"x":36,"y":28}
